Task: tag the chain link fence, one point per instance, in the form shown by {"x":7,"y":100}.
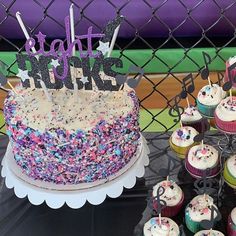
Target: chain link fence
{"x":163,"y":37}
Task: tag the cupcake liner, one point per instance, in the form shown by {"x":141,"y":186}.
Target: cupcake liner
{"x":195,"y":172}
{"x":205,"y":109}
{"x":231,"y":227}
{"x":228,"y":126}
{"x":180,"y":151}
{"x":200,"y":125}
{"x":193,"y":226}
{"x":213,"y":123}
{"x":170,"y":211}
{"x":230,"y":179}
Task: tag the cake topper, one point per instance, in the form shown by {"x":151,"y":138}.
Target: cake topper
{"x":60,"y":57}
{"x":205,"y":70}
{"x":175,"y":109}
{"x":209,"y":224}
{"x":232,"y":79}
{"x":132,"y":82}
{"x":156,"y":204}
{"x":204,"y":185}
{"x":187,"y":86}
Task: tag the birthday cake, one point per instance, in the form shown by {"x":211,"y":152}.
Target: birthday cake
{"x":72,"y":123}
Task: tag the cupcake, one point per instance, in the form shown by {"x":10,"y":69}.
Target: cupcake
{"x":230,"y":171}
{"x":182,"y":139}
{"x":173,"y":196}
{"x":209,"y":233}
{"x":228,"y":63}
{"x":231,"y":228}
{"x":166,"y":227}
{"x":208,"y":98}
{"x":201,"y":158}
{"x":192,"y":117}
{"x":225,"y":115}
{"x":197,"y":210}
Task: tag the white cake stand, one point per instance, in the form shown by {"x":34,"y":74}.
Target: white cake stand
{"x":75,"y":198}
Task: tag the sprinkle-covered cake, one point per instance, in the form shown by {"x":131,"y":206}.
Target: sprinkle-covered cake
{"x":75,"y":141}
{"x":163,"y":227}
{"x":225,"y":115}
{"x":173,"y":196}
{"x":203,"y":157}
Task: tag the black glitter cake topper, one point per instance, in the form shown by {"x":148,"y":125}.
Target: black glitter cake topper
{"x":204,"y":185}
{"x":132,"y":82}
{"x":209,"y":224}
{"x":187,"y":86}
{"x":156,"y":204}
{"x":232,"y":79}
{"x":60,"y":57}
{"x":205,"y":70}
{"x":175,"y":109}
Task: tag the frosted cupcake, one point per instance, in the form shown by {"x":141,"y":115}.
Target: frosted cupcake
{"x":225,"y":115}
{"x":230,"y":171}
{"x":209,"y":233}
{"x":231,"y":228}
{"x":200,"y":158}
{"x":228,"y":63}
{"x":182,"y":139}
{"x":173,"y":196}
{"x":197,"y":210}
{"x":166,"y":227}
{"x":208,"y":98}
{"x":192,"y":117}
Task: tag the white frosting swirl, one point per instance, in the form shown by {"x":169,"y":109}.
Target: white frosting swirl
{"x":172,"y":195}
{"x":183,"y":136}
{"x":203,"y":157}
{"x":191,"y":114}
{"x":233,"y":215}
{"x":167,"y":227}
{"x":198,"y":208}
{"x":211,"y":95}
{"x":209,"y":233}
{"x":231,"y":165}
{"x":226,"y":110}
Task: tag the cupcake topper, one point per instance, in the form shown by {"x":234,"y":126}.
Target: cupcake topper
{"x":204,"y":185}
{"x":187,"y":86}
{"x":175,"y":110}
{"x":157,"y":201}
{"x":209,"y":224}
{"x":220,"y":78}
{"x":228,"y":85}
{"x":205,"y":71}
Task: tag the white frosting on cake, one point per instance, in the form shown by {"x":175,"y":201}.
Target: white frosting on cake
{"x":233,"y":215}
{"x":183,"y":136}
{"x":231,"y":165}
{"x":167,"y":227}
{"x":226,"y":110}
{"x":191,"y":114}
{"x":203,"y":157}
{"x":173,"y":193}
{"x":198,"y":208}
{"x":69,"y":111}
{"x":209,"y":233}
{"x":211,"y":95}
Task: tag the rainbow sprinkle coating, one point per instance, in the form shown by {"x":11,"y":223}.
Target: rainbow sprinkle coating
{"x":73,"y":156}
